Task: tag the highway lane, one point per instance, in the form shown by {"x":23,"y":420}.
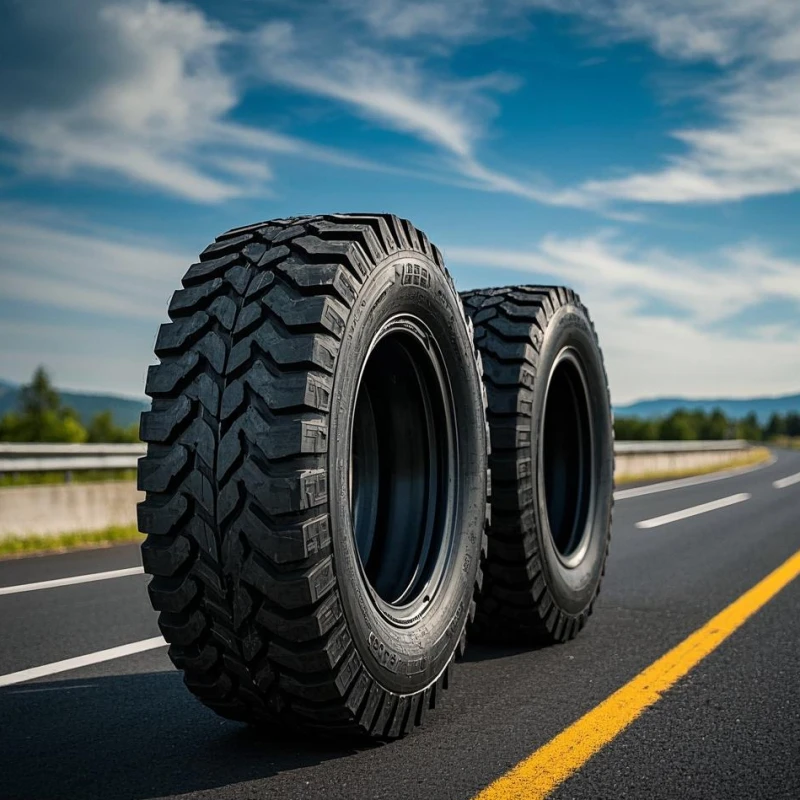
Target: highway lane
{"x":127,"y":727}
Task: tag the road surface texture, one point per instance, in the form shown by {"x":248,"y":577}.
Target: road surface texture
{"x":127,"y":728}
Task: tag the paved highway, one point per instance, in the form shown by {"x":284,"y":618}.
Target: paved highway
{"x":126,"y":727}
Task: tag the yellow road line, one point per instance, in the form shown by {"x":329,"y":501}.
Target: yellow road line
{"x":549,"y":766}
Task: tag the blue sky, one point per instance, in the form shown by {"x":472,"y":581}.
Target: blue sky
{"x":646,"y":152}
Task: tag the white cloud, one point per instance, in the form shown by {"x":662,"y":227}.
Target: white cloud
{"x":147,"y":100}
{"x":723,"y":31}
{"x":671,"y":324}
{"x":146,"y":90}
{"x":754,"y":147}
{"x":52,"y":266}
{"x":751,"y":150}
{"x":445,"y":20}
{"x":76,"y":356}
{"x":394,"y":90}
{"x":92,"y":300}
{"x":399,"y":93}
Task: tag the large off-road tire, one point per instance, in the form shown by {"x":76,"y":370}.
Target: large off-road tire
{"x":552,"y":462}
{"x":316,"y":475}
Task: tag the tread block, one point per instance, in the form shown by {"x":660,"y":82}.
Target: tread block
{"x":231,"y":245}
{"x":158,"y":426}
{"x":156,"y":474}
{"x":298,"y":351}
{"x":350,"y":254}
{"x":211,"y":268}
{"x":186,"y":301}
{"x":323,"y":688}
{"x":324,"y":656}
{"x":379,"y":223}
{"x":302,"y":628}
{"x":332,"y":276}
{"x":361,"y":230}
{"x":182,"y":630}
{"x":290,"y":591}
{"x":165,"y":558}
{"x":298,"y":311}
{"x":164,"y":378}
{"x":167,"y":594}
{"x":161,"y":518}
{"x":285,"y":545}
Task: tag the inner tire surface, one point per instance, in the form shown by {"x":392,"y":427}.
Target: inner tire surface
{"x":402,"y":456}
{"x":316,"y":477}
{"x":552,"y":462}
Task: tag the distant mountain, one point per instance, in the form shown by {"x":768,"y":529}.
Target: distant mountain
{"x":124,"y":410}
{"x":733,"y":408}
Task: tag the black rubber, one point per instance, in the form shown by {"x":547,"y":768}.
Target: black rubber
{"x":552,"y":462}
{"x":272,"y":608}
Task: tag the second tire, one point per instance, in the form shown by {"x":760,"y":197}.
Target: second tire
{"x":552,"y":462}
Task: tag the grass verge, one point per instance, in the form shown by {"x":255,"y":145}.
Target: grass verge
{"x":77,"y":476}
{"x":61,"y":542}
{"x":758,"y":455}
{"x":787,"y":441}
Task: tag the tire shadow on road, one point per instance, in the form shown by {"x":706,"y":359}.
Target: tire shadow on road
{"x":136,"y":736}
{"x":488,"y":651}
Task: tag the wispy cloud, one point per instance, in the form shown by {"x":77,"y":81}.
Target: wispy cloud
{"x":56,"y":266}
{"x":400,"y":93}
{"x":85,"y":301}
{"x":447,"y":21}
{"x":148,"y":91}
{"x":662,"y":316}
{"x":753,"y":148}
{"x":143,"y":95}
{"x":394,"y":90}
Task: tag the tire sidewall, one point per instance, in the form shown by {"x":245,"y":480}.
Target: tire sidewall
{"x":573,"y":588}
{"x":408,"y":658}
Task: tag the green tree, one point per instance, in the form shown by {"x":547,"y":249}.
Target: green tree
{"x":679,"y":425}
{"x":792,"y":423}
{"x":635,"y":429}
{"x":714,"y":426}
{"x":776,"y":426}
{"x":41,"y":416}
{"x":103,"y":429}
{"x":748,"y":428}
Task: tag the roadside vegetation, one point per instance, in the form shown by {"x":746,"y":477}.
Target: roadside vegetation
{"x":42,"y":417}
{"x":56,"y":543}
{"x":78,"y":476}
{"x":686,"y":425}
{"x":788,"y":441}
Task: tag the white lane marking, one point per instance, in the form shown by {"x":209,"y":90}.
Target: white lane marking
{"x":680,"y":483}
{"x":782,"y":483}
{"x":82,"y":661}
{"x":90,"y":578}
{"x":693,"y":511}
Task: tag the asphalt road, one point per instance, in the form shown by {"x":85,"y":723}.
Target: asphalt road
{"x":127,"y":728}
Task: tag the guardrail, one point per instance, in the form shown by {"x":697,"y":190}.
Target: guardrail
{"x":68,"y":457}
{"x":697,"y":446}
{"x":74,"y":457}
{"x":81,"y":506}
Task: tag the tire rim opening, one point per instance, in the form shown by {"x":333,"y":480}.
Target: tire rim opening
{"x":401,"y":467}
{"x":567,"y":458}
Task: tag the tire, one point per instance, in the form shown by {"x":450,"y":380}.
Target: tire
{"x":552,"y":462}
{"x":291,"y":341}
